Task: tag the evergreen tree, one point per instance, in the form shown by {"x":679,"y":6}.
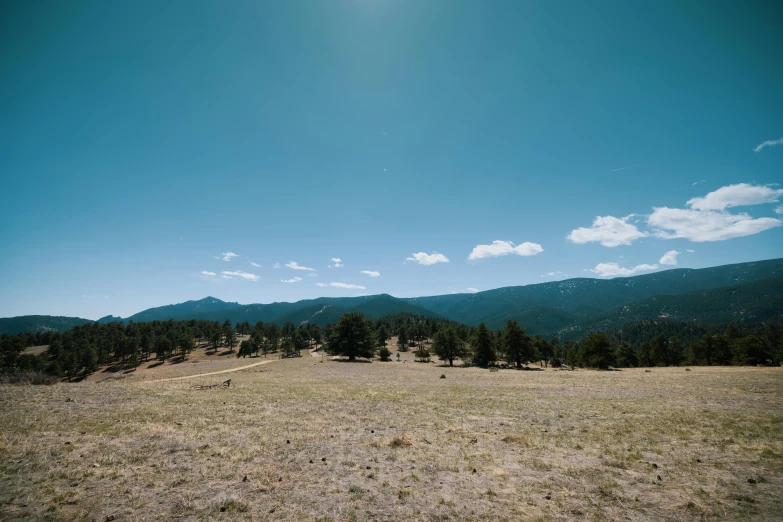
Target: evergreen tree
{"x":483,"y":349}
{"x":625,"y":356}
{"x":353,"y":337}
{"x":447,"y":345}
{"x":596,"y":351}
{"x":402,"y":339}
{"x":517,"y":345}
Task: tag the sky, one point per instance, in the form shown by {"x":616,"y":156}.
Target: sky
{"x":157,"y":152}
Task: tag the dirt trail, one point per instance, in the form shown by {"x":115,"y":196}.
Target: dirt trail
{"x":210,"y":373}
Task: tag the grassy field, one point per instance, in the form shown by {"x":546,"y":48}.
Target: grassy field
{"x":302,"y":439}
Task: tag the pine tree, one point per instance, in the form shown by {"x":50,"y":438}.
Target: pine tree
{"x":483,"y":349}
{"x":353,"y":337}
{"x":517,"y":345}
{"x":447,"y":345}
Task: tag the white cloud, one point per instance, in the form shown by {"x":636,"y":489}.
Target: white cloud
{"x":554,"y":274}
{"x":337,"y":262}
{"x":321,"y":284}
{"x":502,"y":248}
{"x":346,"y":285}
{"x":227,"y":256}
{"x":691,"y":251}
{"x":204,"y":272}
{"x":779,"y":209}
{"x":428,"y":259}
{"x":613,"y":269}
{"x":669,"y":258}
{"x":609,"y":231}
{"x":706,"y":225}
{"x":741,"y":194}
{"x":370,"y":273}
{"x":472,"y":290}
{"x":312,"y":275}
{"x":698,"y":182}
{"x":296,"y":266}
{"x":276,"y":265}
{"x":256,"y":265}
{"x":226,"y":277}
{"x":768,"y":143}
{"x":292,"y":280}
{"x":243,"y":275}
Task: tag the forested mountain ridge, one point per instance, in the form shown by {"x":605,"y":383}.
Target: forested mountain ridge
{"x":746,"y":292}
{"x":39,"y":323}
{"x":557,"y":304}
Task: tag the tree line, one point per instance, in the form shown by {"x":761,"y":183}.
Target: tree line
{"x":83,"y":349}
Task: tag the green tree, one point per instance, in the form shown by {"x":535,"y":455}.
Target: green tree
{"x":596,"y":350}
{"x":230,"y":338}
{"x":245,"y":349}
{"x":625,"y":356}
{"x":402,"y":338}
{"x":517,"y":345}
{"x":353,"y":337}
{"x":448,"y":346}
{"x":384,"y":354}
{"x":483,"y":349}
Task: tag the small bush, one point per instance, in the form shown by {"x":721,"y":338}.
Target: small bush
{"x":442,"y":375}
{"x":384,"y":354}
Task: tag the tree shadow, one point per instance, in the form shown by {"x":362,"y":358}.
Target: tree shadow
{"x":155,"y":365}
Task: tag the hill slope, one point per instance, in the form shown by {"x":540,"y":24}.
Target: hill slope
{"x":715,"y":294}
{"x":547,"y":306}
{"x":39,"y":323}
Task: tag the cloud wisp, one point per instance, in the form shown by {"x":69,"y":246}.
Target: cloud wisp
{"x":768,"y":143}
{"x":256,"y":265}
{"x":292,"y":280}
{"x":338,"y":263}
{"x":503,"y":248}
{"x":345,"y":286}
{"x":423,"y":258}
{"x":556,"y":273}
{"x":371,"y":273}
{"x":296,"y":266}
{"x":609,"y":231}
{"x":244,"y":275}
{"x":472,"y":290}
{"x":227,"y":256}
{"x":208,"y":274}
{"x":613,"y":269}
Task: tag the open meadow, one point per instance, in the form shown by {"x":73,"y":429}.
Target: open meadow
{"x":316,"y":439}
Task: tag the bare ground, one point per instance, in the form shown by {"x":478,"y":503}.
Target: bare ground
{"x":303,"y":439}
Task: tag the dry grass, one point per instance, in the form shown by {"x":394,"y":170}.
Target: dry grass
{"x":301,"y":439}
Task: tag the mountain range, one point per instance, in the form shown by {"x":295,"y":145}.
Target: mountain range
{"x":744,"y":292}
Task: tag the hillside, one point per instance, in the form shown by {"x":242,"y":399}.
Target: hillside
{"x":743,"y":303}
{"x":39,"y":323}
{"x":741,"y":292}
{"x":549,"y":306}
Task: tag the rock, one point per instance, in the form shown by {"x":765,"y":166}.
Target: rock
{"x":109,"y":518}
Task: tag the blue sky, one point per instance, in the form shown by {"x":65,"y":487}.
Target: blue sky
{"x":140,"y":142}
